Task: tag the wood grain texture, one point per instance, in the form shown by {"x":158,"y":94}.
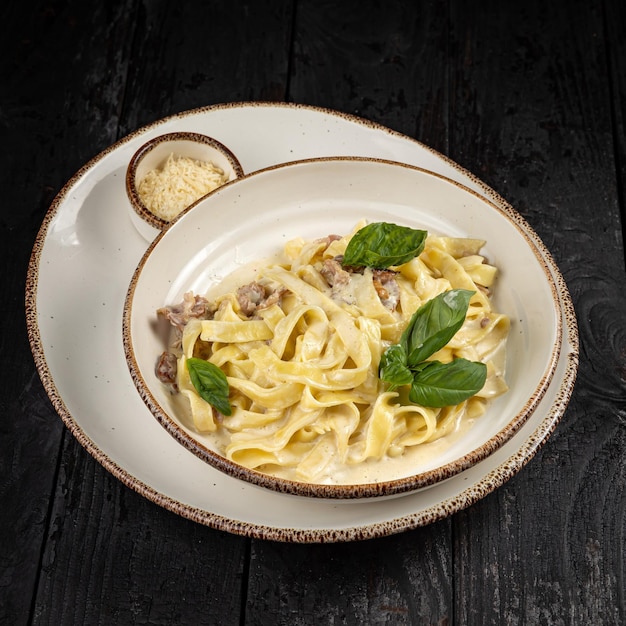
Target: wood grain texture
{"x":399,"y":80}
{"x":125,"y":560}
{"x":43,"y":103}
{"x":614,"y":26}
{"x":394,"y":580}
{"x":191,"y":54}
{"x":541,"y":134}
{"x":93,"y":568}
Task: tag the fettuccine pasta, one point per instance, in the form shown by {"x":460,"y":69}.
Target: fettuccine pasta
{"x":301,"y":346}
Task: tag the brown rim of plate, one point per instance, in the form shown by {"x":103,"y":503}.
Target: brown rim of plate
{"x":131,"y":188}
{"x":465,"y":498}
{"x":361,"y":490}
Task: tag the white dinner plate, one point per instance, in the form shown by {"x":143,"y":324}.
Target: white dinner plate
{"x":83,"y":259}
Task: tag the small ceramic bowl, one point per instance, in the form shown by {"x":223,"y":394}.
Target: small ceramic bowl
{"x":153,"y":157}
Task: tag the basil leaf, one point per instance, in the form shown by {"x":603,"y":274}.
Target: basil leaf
{"x":393,"y":368}
{"x":381,"y":245}
{"x":211,"y":383}
{"x":433,"y":325}
{"x":445,"y":384}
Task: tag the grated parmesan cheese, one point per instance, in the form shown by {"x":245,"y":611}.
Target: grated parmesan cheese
{"x":180,"y":182}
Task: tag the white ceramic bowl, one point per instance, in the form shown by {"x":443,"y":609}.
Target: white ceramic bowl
{"x":153,"y":154}
{"x":254,"y":217}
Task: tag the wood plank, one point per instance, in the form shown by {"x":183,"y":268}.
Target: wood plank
{"x":29,"y":446}
{"x":385,"y":62}
{"x":615,"y":26}
{"x":536,"y":124}
{"x":341,"y":61}
{"x":403,"y":579}
{"x":193,"y":54}
{"x":113,"y":557}
{"x":110,"y":556}
{"x":43,"y":104}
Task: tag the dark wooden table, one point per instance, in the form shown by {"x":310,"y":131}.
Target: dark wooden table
{"x":531,"y":97}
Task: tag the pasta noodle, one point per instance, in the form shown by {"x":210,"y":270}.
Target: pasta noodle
{"x":301,"y":347}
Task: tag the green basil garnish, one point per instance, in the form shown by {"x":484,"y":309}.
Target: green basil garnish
{"x":210,"y":383}
{"x":434,"y":324}
{"x":381,"y":245}
{"x":433,"y":384}
{"x":446,"y":384}
{"x":393,"y":367}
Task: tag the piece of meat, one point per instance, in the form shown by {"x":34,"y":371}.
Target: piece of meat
{"x":255,"y":296}
{"x":249,"y":297}
{"x":387,"y":288}
{"x":192,"y":307}
{"x":351,"y":269}
{"x":333,"y":272}
{"x":273,"y":297}
{"x":329,"y":239}
{"x":166,"y":368}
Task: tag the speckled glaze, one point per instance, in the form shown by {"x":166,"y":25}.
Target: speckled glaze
{"x":139,"y":458}
{"x":155,"y":151}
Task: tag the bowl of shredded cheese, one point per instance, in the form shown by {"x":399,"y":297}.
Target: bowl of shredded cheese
{"x":171,"y":172}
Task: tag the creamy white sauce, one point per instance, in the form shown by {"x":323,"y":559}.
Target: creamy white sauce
{"x":413,"y":460}
{"x":247,"y":273}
